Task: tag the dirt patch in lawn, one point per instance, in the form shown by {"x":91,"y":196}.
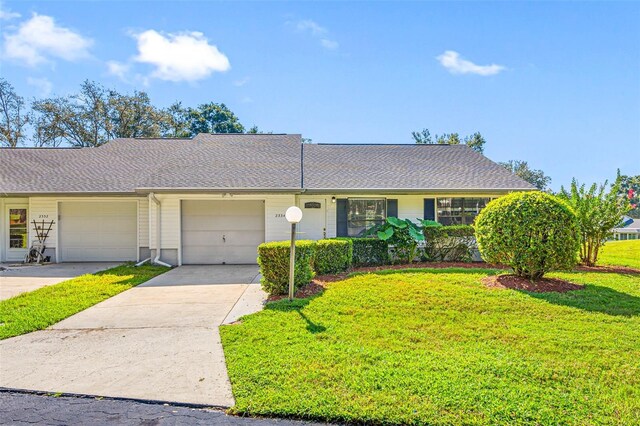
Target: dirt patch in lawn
{"x":609,"y":269}
{"x":543,"y":285}
{"x":308,"y":290}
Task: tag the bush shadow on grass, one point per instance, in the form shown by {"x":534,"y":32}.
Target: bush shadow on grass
{"x":452,"y":270}
{"x":298,"y":306}
{"x":594,"y":298}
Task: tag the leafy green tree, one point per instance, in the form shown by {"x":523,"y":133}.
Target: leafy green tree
{"x":630,"y":188}
{"x":475,"y":141}
{"x":175,"y":121}
{"x":423,"y":137}
{"x":94,"y":116}
{"x":535,"y":177}
{"x":132,"y":116}
{"x":598,"y":212}
{"x":13,"y":116}
{"x":213,"y":118}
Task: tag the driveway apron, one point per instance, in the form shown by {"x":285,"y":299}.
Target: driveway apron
{"x":158,"y":341}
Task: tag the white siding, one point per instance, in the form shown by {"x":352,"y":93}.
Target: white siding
{"x":46,"y":208}
{"x":409,"y":206}
{"x":143,"y":222}
{"x":276,"y":226}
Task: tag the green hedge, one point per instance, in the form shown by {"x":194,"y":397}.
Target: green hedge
{"x":453,"y":243}
{"x":273,"y":259}
{"x":332,"y":256}
{"x":369,"y":251}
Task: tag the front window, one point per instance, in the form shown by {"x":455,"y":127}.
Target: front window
{"x":364,"y":214}
{"x":18,"y":228}
{"x":460,"y":211}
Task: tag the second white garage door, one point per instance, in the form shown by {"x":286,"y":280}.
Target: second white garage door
{"x":97,"y":231}
{"x":221,"y":232}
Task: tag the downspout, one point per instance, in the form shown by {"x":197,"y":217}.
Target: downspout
{"x":157,"y":260}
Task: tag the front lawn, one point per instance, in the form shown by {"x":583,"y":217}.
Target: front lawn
{"x":437,"y":347}
{"x":620,"y":253}
{"x":45,"y":306}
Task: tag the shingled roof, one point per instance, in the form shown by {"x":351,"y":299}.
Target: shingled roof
{"x":260,"y":162}
{"x":404,"y":167}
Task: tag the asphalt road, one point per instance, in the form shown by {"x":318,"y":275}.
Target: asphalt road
{"x":33,"y":409}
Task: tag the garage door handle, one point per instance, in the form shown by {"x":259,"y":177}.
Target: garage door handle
{"x":224,"y":239}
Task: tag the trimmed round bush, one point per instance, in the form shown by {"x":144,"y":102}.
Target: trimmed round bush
{"x":273,"y":259}
{"x":332,"y":256}
{"x":532,"y":232}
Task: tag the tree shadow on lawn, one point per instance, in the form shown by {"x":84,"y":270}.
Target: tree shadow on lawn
{"x":297,"y":306}
{"x":594,"y":298}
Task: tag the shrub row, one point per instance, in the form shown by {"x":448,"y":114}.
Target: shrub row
{"x":454,"y":243}
{"x":369,"y":251}
{"x":322,"y":257}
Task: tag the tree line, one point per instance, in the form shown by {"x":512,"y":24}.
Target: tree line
{"x":476,"y":142}
{"x":95,"y":115}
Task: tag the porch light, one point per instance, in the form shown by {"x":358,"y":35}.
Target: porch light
{"x":333,"y":199}
{"x":294,"y":216}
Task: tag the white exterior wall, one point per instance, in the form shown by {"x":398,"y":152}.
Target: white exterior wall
{"x":276,"y":226}
{"x":410,"y":206}
{"x":46,"y":208}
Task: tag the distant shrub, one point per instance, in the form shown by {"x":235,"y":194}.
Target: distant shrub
{"x":532,"y":232}
{"x":598,"y":212}
{"x":453,"y":243}
{"x":332,"y":256}
{"x":273,"y":259}
{"x":369,"y":251}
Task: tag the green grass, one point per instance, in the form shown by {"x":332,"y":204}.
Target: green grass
{"x":437,"y":347}
{"x":45,"y":306}
{"x":620,"y":253}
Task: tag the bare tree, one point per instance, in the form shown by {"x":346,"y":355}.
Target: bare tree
{"x":14,"y":119}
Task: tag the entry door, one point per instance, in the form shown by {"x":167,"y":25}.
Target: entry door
{"x":17,"y":240}
{"x":221,"y":232}
{"x":313,"y":223}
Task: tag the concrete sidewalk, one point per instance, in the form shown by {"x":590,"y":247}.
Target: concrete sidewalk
{"x":157,"y":341}
{"x":17,"y":280}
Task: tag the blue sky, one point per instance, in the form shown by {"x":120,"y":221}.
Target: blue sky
{"x":556,"y":84}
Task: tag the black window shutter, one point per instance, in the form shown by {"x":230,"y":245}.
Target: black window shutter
{"x":430,"y":208}
{"x":341,"y":218}
{"x":392,"y":208}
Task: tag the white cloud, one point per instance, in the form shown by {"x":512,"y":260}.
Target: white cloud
{"x":453,"y":62}
{"x":311,"y":26}
{"x":185,"y":56}
{"x":40,"y":39}
{"x":6,"y":14}
{"x":329,"y":44}
{"x":118,"y":69}
{"x":241,"y":82}
{"x":317,"y":31}
{"x":43,"y":85}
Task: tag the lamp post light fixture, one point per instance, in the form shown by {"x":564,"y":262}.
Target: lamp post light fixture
{"x":294,"y":216}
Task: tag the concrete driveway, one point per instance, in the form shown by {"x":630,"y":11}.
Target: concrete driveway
{"x":157,"y":341}
{"x":22,"y":279}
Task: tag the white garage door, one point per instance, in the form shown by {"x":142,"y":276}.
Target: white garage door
{"x":98,"y":231}
{"x":221,"y":232}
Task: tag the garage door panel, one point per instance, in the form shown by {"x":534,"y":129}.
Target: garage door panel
{"x":98,"y":231}
{"x":221,"y":231}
